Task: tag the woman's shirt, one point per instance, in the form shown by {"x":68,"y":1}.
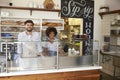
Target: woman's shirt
{"x":52,"y":48}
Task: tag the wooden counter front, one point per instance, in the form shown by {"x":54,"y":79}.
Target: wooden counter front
{"x":72,"y":75}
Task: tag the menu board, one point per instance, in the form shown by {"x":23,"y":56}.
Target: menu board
{"x":81,"y":9}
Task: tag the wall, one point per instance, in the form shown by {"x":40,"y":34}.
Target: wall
{"x":113,"y":4}
{"x":97,"y":21}
{"x":4,"y":2}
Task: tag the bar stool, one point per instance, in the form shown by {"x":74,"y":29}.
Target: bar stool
{"x":116,"y":64}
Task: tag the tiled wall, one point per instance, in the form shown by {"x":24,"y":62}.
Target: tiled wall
{"x":106,"y":27}
{"x":106,"y":22}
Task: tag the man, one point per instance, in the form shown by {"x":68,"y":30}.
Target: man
{"x":29,"y":41}
{"x":29,"y":47}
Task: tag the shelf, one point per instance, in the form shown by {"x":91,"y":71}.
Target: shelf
{"x":9,"y":37}
{"x":115,"y":45}
{"x":117,"y":25}
{"x":110,"y":12}
{"x":11,"y":32}
{"x":115,"y":35}
{"x":31,"y":9}
{"x":22,"y":26}
{"x":14,"y":32}
{"x":17,"y":17}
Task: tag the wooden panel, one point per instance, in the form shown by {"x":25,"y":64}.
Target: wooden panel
{"x":110,"y":12}
{"x":116,"y":61}
{"x":76,"y":75}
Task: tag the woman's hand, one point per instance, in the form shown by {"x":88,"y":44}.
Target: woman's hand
{"x":60,"y":50}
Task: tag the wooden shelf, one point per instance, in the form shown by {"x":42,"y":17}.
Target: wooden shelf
{"x":115,"y":45}
{"x":31,"y":9}
{"x":115,"y":35}
{"x":22,"y":26}
{"x":110,"y":12}
{"x":117,"y":25}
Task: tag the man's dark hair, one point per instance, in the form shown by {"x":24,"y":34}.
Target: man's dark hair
{"x":51,"y":29}
{"x":28,"y":21}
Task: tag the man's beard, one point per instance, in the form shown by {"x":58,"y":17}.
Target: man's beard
{"x":29,"y":30}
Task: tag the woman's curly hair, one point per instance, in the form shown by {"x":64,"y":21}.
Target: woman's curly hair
{"x":51,"y":29}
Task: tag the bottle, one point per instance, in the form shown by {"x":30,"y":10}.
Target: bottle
{"x":73,"y":50}
{"x":30,"y":4}
{"x":69,"y":52}
{"x":2,"y":66}
{"x":35,"y":5}
{"x":9,"y":56}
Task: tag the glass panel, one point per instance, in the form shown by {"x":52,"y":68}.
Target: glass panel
{"x":31,"y":59}
{"x":67,"y":61}
{"x":96,"y":52}
{"x":2,"y":61}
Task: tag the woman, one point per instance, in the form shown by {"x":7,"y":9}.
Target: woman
{"x":52,"y":45}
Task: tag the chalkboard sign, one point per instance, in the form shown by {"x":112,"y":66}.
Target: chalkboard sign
{"x":81,"y":9}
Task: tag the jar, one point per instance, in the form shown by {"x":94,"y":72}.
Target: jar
{"x":118,"y":17}
{"x":48,"y":4}
{"x":104,"y":9}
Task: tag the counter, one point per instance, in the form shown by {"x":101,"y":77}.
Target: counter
{"x":50,"y":71}
{"x":110,"y":62}
{"x":111,"y":53}
{"x":70,"y":68}
{"x":80,"y":73}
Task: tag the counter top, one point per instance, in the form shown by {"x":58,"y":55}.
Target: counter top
{"x":111,"y":53}
{"x":49,"y":71}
